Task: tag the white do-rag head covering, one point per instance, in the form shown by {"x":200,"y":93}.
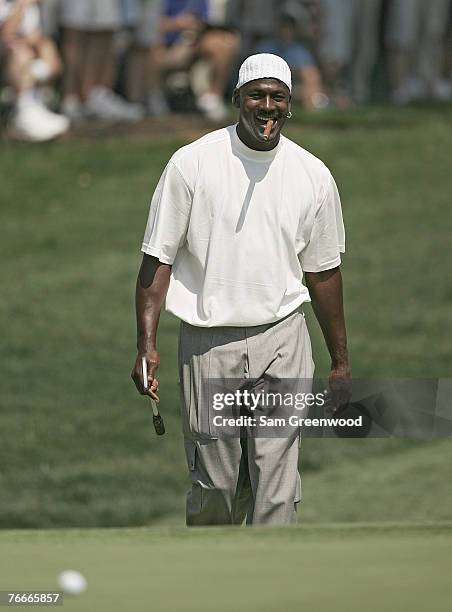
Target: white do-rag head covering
{"x":264,"y":66}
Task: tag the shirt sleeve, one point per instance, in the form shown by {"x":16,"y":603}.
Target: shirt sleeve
{"x":327,"y":239}
{"x":169,"y":215}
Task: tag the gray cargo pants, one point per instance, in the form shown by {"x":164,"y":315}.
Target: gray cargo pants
{"x":234,"y":478}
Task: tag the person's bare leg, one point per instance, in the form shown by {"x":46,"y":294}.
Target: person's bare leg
{"x":144,"y":71}
{"x":336,"y":84}
{"x":447,"y":67}
{"x":310,"y":89}
{"x":30,"y":121}
{"x":18,"y":67}
{"x":137,"y":74}
{"x":99,"y":65}
{"x":428,"y":60}
{"x":98,"y":83}
{"x":105,"y":57}
{"x":366,"y":40}
{"x":46,"y":50}
{"x":153,"y":93}
{"x":398,"y":67}
{"x":431,"y":51}
{"x":74,"y":53}
{"x":219,"y":48}
{"x":178,"y":56}
{"x":154,"y":68}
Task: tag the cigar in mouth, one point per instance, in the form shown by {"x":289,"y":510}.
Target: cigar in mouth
{"x":268,"y":129}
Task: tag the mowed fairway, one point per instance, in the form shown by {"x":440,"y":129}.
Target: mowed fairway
{"x":327,"y":569}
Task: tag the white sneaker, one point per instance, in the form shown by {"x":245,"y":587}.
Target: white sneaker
{"x":105,"y":104}
{"x":35,"y":123}
{"x":412,"y":90}
{"x":320,"y":101}
{"x":401,"y":96}
{"x":157,"y":104}
{"x":442,"y":90}
{"x":213,"y":107}
{"x":72,"y":108}
{"x":416,"y":88}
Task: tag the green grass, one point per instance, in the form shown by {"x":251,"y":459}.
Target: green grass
{"x":260,"y":570}
{"x":408,"y":484}
{"x":78,"y":446}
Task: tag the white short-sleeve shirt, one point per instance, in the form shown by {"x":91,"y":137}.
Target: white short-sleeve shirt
{"x":240,"y":226}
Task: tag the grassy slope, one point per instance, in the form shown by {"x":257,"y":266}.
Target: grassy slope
{"x":333,"y":569}
{"x":411,"y":484}
{"x":77,"y":445}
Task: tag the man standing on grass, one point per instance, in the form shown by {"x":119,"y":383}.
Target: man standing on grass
{"x":235,"y":220}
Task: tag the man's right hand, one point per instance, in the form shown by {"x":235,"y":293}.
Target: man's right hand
{"x":153,"y":362}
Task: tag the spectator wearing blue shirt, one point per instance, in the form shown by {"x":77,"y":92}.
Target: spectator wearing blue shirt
{"x":190,"y":36}
{"x":287,"y":45}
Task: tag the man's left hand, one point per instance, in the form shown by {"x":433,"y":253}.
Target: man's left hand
{"x":340,"y":381}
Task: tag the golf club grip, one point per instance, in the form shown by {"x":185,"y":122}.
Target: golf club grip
{"x":159,"y":425}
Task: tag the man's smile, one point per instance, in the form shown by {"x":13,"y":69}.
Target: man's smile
{"x":261,"y":121}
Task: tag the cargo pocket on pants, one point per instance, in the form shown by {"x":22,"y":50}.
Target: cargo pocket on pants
{"x":194,"y":366}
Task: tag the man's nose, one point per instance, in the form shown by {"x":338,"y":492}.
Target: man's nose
{"x":268,"y":102}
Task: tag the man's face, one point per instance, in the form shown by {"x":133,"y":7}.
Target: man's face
{"x":259,"y":101}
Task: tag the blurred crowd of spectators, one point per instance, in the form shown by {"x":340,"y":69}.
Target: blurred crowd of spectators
{"x":66,"y":61}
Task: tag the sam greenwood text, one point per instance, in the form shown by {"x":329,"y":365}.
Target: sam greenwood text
{"x":292,"y":421}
